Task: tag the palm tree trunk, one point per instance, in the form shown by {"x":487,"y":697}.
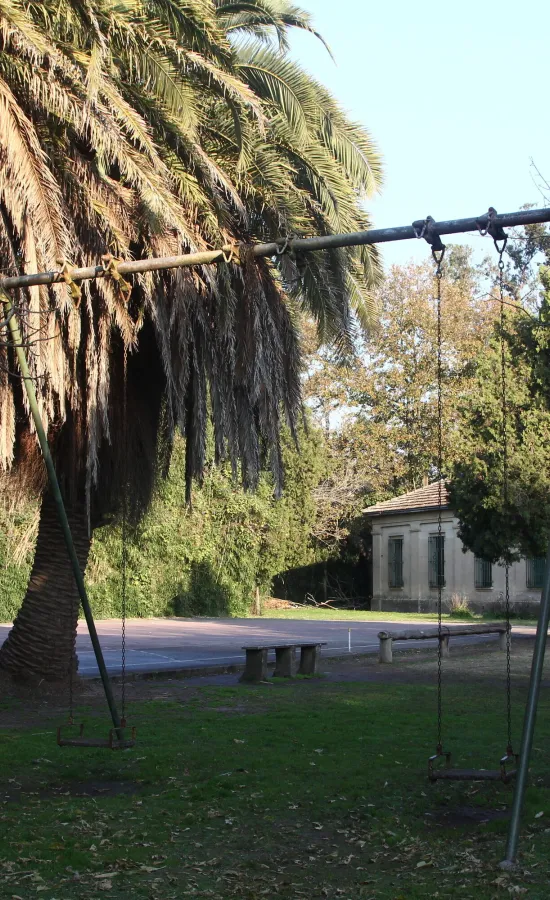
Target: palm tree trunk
{"x":41,"y":643}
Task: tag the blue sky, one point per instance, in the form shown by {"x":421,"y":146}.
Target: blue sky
{"x":455,"y":95}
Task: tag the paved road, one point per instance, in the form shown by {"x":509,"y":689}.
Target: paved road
{"x":168,"y":644}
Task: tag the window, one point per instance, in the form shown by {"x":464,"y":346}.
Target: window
{"x":535,"y":571}
{"x":395,"y":562}
{"x":436,"y":560}
{"x":483,"y":573}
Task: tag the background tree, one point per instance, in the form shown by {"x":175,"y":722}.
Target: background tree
{"x":489,"y":526}
{"x":379,"y":409}
{"x":156,"y":128}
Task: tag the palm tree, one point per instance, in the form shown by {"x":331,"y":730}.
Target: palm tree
{"x":151,"y":128}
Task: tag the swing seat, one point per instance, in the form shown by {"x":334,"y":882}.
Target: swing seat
{"x":113,"y":742}
{"x":447,"y":773}
{"x":468,"y":775}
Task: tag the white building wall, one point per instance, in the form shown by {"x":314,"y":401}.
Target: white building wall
{"x":416,"y":594}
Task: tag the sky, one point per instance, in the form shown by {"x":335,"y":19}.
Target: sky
{"x":453,"y":93}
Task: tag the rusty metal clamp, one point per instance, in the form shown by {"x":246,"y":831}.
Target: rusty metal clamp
{"x":66,"y":274}
{"x":110,"y":268}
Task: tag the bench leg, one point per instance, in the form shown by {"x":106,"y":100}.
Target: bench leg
{"x":502,"y":642}
{"x":445,"y":645}
{"x":255,"y":669}
{"x":308,"y":660}
{"x":285,"y":662}
{"x":385,"y":654}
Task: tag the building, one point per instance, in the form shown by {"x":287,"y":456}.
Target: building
{"x":409,"y":559}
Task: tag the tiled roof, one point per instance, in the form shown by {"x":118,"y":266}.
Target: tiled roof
{"x":423,"y":498}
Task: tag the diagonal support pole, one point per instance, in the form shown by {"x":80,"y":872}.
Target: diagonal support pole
{"x":17,"y":341}
{"x":529,"y":721}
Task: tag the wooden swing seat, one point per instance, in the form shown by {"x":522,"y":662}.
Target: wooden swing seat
{"x":472,"y":775}
{"x":113,"y":742}
{"x":448,"y":773}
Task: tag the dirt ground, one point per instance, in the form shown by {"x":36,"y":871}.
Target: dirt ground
{"x":24,"y":705}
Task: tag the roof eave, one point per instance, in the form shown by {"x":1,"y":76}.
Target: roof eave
{"x":406,"y":509}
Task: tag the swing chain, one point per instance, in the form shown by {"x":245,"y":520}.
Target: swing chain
{"x":505,"y":479}
{"x":124,"y":561}
{"x":438,"y":255}
{"x":426,"y":229}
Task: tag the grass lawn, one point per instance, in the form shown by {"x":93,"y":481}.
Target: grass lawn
{"x":355,"y":615}
{"x":359,"y":615}
{"x":310,"y":789}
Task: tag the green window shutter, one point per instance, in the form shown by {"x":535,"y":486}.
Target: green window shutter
{"x":483,"y":573}
{"x":535,"y":572}
{"x":395,"y":562}
{"x":436,"y":560}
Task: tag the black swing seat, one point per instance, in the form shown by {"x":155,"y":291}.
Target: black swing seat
{"x":113,"y":742}
{"x":471,"y":775}
{"x":447,"y":773}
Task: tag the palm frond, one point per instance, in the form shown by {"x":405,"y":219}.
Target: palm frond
{"x":27,"y":182}
{"x":152,"y":127}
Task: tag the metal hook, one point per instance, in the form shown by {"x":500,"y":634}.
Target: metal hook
{"x":231,"y":254}
{"x":426,"y":229}
{"x":283,"y":248}
{"x":496,"y":231}
{"x":419,"y":228}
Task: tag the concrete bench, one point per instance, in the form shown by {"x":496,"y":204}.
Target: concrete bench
{"x":387,"y":638}
{"x":285,"y":660}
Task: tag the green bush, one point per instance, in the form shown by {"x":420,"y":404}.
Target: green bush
{"x":18,"y":529}
{"x":208,"y":559}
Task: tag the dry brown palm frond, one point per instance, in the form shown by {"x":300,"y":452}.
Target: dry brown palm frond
{"x":27,"y":183}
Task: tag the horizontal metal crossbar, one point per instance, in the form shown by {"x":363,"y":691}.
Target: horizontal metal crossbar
{"x":275,"y":248}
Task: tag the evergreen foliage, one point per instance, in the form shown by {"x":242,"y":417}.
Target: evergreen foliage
{"x":489,"y":526}
{"x":18,"y":528}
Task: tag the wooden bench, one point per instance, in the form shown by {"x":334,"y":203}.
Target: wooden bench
{"x":285,"y":660}
{"x":387,"y":638}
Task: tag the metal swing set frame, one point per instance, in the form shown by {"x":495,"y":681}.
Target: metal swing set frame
{"x":428,"y":229}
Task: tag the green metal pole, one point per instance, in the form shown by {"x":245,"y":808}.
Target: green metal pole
{"x":529,"y":721}
{"x":61,"y":512}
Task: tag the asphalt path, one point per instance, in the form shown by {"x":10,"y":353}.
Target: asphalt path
{"x":156,"y":645}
